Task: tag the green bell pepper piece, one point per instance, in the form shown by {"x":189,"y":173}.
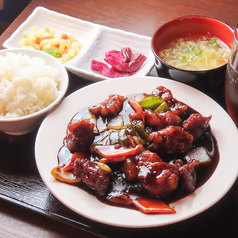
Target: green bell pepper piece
{"x":163,"y":107}
{"x":151,"y":102}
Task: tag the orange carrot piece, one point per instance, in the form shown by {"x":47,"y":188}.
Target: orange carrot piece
{"x":41,"y":38}
{"x":221,"y":61}
{"x":137,"y":107}
{"x":150,"y":206}
{"x":64,"y":36}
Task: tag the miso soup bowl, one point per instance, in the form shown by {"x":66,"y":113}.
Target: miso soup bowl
{"x":25,"y":124}
{"x":191,"y":27}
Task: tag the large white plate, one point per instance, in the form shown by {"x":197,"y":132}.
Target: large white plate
{"x":52,"y":132}
{"x":96,"y":40}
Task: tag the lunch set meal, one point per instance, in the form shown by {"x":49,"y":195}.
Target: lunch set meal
{"x":201,"y":54}
{"x":27,"y":85}
{"x":142,"y":152}
{"x":63,"y":47}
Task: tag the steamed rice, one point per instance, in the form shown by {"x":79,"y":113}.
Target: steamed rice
{"x":27,"y":85}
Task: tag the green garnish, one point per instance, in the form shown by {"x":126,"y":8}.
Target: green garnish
{"x":213,"y":56}
{"x":185,"y":57}
{"x":198,"y":52}
{"x":212,"y":41}
{"x":54,"y":53}
{"x":191,"y":48}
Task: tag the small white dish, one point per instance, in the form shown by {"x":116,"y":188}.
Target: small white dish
{"x":50,"y":139}
{"x":96,"y":40}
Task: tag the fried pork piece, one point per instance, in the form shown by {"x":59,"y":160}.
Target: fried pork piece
{"x":163,"y":92}
{"x":154,"y":119}
{"x":172,"y":139}
{"x":158,"y":178}
{"x":148,"y":156}
{"x":130,"y":169}
{"x":162,"y":120}
{"x":170,"y":118}
{"x":188,"y":175}
{"x":135,"y":116}
{"x":196,"y":124}
{"x":93,"y":176}
{"x":110,"y":107}
{"x":79,"y":135}
{"x":130,"y":164}
{"x":177,"y":107}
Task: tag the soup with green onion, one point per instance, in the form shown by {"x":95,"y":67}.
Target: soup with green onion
{"x":196,"y":55}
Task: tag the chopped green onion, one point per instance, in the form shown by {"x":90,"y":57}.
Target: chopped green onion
{"x":213,"y":56}
{"x":212,"y":41}
{"x":198,"y":52}
{"x":185,"y":57}
{"x":54,"y":53}
{"x":191,"y":48}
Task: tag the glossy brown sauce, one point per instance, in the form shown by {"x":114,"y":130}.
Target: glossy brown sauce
{"x":119,"y":182}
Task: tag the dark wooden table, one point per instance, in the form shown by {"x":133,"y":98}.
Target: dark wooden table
{"x":27,"y":208}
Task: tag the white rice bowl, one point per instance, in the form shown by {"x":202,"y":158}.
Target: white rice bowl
{"x":26,"y":85}
{"x":31,"y":84}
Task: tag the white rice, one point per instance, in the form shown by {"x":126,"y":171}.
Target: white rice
{"x":27,"y":85}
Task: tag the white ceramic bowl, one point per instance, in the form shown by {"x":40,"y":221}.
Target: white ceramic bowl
{"x":25,"y":124}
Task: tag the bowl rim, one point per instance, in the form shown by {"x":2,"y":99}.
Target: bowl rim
{"x":63,"y":72}
{"x":186,"y":70}
{"x":236,"y":34}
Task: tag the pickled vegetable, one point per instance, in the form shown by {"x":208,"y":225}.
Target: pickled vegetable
{"x":123,"y":63}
